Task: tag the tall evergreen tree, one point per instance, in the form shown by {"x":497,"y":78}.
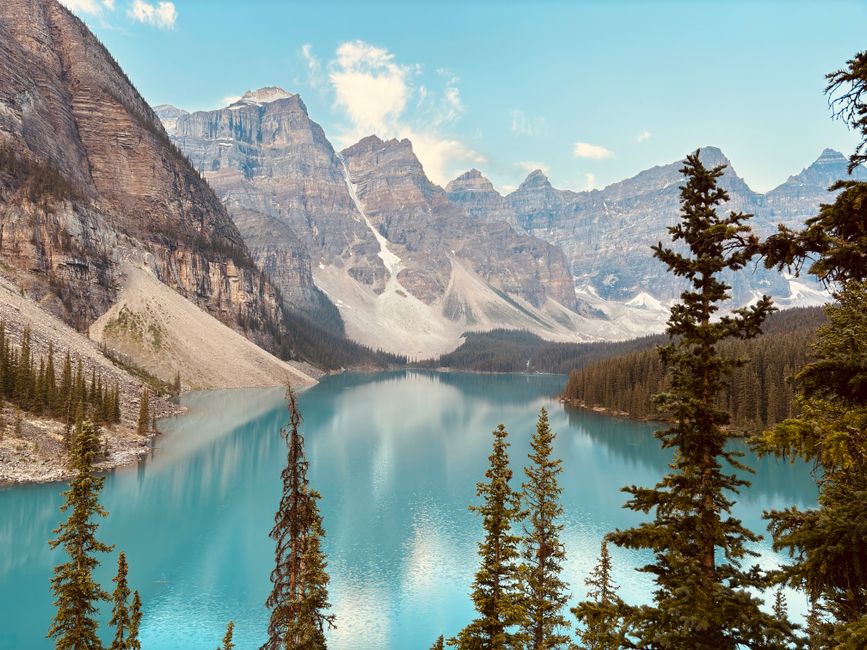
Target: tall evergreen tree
{"x":496,"y":588}
{"x":24,"y":375}
{"x":829,"y":544}
{"x":544,"y":593}
{"x":77,"y":595}
{"x":439,"y":644}
{"x":135,"y":615}
{"x":702,"y":598}
{"x":119,"y":610}
{"x":143,"y":413}
{"x":602,"y":615}
{"x":51,"y":380}
{"x":228,"y":643}
{"x":299,"y":597}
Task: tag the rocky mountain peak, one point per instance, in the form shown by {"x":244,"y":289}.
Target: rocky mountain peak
{"x":828,"y":168}
{"x":264,"y":96}
{"x":711,"y":156}
{"x":169,"y":116}
{"x":535,"y":180}
{"x":470,"y":181}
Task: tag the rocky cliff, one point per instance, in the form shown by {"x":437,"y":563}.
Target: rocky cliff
{"x":606,"y":234}
{"x":368,"y":228}
{"x":90,"y":179}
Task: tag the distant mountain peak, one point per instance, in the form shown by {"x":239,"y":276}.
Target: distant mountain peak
{"x":470,"y":181}
{"x":264,"y":95}
{"x":713,"y":156}
{"x":828,"y":168}
{"x":535,"y":180}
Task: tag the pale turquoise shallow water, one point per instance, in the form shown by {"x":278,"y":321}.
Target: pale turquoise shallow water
{"x":395,"y":456}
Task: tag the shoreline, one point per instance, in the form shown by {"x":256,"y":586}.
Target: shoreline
{"x":39,"y":457}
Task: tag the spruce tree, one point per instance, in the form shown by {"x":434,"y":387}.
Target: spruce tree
{"x":135,"y":614}
{"x":24,"y":375}
{"x":496,"y":588}
{"x":120,"y":619}
{"x":439,"y":644}
{"x":51,"y":381}
{"x":702,"y":598}
{"x":228,"y":644}
{"x":143,"y":414}
{"x":544,"y":593}
{"x":76,"y":594}
{"x":299,"y":597}
{"x":66,"y":401}
{"x":828,"y":545}
{"x":602,"y":615}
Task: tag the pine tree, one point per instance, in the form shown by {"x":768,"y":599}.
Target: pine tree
{"x":228,"y":644}
{"x":439,"y":644}
{"x":65,"y":398}
{"x":496,"y":588}
{"x":828,"y":544}
{"x":544,"y":593}
{"x":143,"y":414}
{"x":24,"y":375}
{"x":51,"y":381}
{"x":135,"y":614}
{"x":119,"y":611}
{"x":702,"y":598}
{"x":299,"y":598}
{"x":602,"y":614}
{"x":176,"y":386}
{"x":77,"y":595}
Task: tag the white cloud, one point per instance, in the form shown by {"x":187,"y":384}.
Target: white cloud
{"x":589,"y":181}
{"x":314,"y":66}
{"x":587,"y":150}
{"x":374,"y":92}
{"x":162,"y":14}
{"x":228,"y":100}
{"x":523,"y":125}
{"x":93,"y":7}
{"x":532,"y":165}
{"x":370,"y":87}
{"x":644,"y":136}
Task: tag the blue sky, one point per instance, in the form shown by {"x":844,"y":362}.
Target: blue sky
{"x":591,"y":92}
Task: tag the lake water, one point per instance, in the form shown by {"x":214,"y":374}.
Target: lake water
{"x":396,"y":457}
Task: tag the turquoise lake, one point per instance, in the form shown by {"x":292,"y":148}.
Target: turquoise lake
{"x":396,"y":457}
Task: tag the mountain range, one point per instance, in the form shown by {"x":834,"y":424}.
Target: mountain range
{"x":410,"y":266}
{"x":249,"y":213}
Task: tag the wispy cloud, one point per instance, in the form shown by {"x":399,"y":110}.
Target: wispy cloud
{"x":644,"y":136}
{"x":587,"y":150}
{"x":162,"y":14}
{"x":532,"y":165}
{"x":314,"y":67}
{"x":228,"y":100}
{"x":589,"y":181}
{"x":523,"y":125}
{"x":376,"y":94}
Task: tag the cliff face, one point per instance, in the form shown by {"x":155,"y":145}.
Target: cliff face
{"x":417,"y":215}
{"x":606,"y":234}
{"x":285,"y":188}
{"x":117,"y":190}
{"x":366,"y":226}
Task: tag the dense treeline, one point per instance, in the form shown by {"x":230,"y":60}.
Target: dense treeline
{"x":759,"y":393}
{"x":504,"y":350}
{"x":306,"y":341}
{"x":34,"y":385}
